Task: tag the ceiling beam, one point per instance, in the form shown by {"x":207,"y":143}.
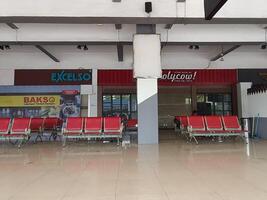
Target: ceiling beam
{"x":120,"y":51}
{"x":212,"y":7}
{"x":224,"y":53}
{"x":114,"y":43}
{"x":131,"y":20}
{"x":12,"y":25}
{"x":47,"y":53}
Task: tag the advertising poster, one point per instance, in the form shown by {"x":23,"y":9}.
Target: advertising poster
{"x":66,"y":104}
{"x":70,"y":104}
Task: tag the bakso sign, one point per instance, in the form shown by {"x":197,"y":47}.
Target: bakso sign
{"x":53,"y":77}
{"x":176,"y":76}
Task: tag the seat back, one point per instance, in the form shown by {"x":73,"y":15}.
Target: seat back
{"x":50,"y":123}
{"x":74,"y":124}
{"x":112,"y":124}
{"x":231,"y":123}
{"x":4,"y":125}
{"x":132,"y":123}
{"x":184,"y":121}
{"x":20,"y":125}
{"x":93,"y":124}
{"x":196,"y":123}
{"x":36,"y":124}
{"x":213,"y":123}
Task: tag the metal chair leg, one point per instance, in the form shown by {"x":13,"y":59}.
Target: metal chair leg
{"x":64,"y":141}
{"x":195,"y":139}
{"x":118,"y":141}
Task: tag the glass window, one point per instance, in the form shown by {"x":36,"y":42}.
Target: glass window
{"x":124,"y":105}
{"x":116,"y":104}
{"x":107,"y":105}
{"x":133,"y":103}
{"x":201,"y":98}
{"x":214,"y":104}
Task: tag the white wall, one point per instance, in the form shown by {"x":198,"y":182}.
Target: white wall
{"x":128,"y":8}
{"x":107,"y":33}
{"x":257,"y":105}
{"x":6,"y":77}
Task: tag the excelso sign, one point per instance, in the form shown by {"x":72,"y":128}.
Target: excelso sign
{"x":53,"y":77}
{"x":64,"y":76}
{"x":179,"y":76}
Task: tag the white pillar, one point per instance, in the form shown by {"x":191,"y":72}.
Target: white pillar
{"x":147,"y":70}
{"x":242,"y":99}
{"x":91,"y":91}
{"x":147,"y":99}
{"x":93,"y":96}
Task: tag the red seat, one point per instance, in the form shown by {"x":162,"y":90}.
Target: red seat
{"x":184,"y":121}
{"x":93,"y":125}
{"x":231,"y":123}
{"x":112,"y":126}
{"x":50,"y":123}
{"x":20,"y":126}
{"x":4,"y":125}
{"x":214,"y":123}
{"x":132,"y":123}
{"x":74,"y":126}
{"x":196,"y":123}
{"x":36,"y":124}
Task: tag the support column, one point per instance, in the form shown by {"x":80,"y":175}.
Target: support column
{"x":93,"y":97}
{"x":147,"y":70}
{"x":147,"y":99}
{"x":242,"y":99}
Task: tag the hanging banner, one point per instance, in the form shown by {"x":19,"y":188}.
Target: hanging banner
{"x":30,"y":101}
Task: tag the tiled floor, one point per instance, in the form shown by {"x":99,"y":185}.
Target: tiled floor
{"x":173,"y":170}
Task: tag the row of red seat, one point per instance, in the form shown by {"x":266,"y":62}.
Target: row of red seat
{"x":210,"y":126}
{"x":17,"y":126}
{"x":76,"y":127}
{"x":93,"y":127}
{"x":21,"y":128}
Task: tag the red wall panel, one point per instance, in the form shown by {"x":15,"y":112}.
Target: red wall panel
{"x":171,"y":77}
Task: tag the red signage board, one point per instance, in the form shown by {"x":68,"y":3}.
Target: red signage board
{"x":171,"y":77}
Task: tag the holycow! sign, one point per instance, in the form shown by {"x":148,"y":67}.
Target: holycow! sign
{"x":198,"y":77}
{"x":171,"y":77}
{"x":184,"y":76}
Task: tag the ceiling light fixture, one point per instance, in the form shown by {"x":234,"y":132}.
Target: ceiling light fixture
{"x":82,"y":47}
{"x":195,"y":47}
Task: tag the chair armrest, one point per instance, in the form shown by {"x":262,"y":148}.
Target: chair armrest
{"x":189,"y":128}
{"x":121,"y":127}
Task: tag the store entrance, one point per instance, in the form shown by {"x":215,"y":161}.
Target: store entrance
{"x":173,"y":102}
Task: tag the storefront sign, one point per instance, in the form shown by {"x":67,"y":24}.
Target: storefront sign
{"x":179,"y":76}
{"x":170,"y":77}
{"x":53,"y":77}
{"x":30,"y":101}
